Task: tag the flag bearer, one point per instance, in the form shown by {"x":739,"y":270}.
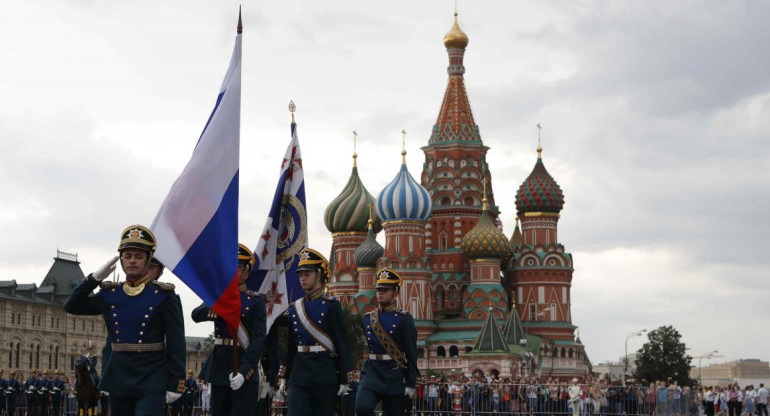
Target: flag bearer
{"x":317,"y":358}
{"x":391,"y":371}
{"x":236,"y":394}
{"x":145,"y":329}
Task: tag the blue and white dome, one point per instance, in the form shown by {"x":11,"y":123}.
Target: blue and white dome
{"x":404,"y":199}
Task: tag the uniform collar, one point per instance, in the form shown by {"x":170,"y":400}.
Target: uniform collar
{"x":143,"y":279}
{"x":315,"y":294}
{"x":387,"y":308}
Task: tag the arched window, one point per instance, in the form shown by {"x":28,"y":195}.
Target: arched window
{"x":468,"y":349}
{"x":563,"y":352}
{"x":570,"y":353}
{"x":441,"y":352}
{"x":37,"y":356}
{"x":420,"y":352}
{"x":442,"y":241}
{"x":18,"y":353}
{"x":452,"y":293}
{"x":440,"y":297}
{"x":10,"y":356}
{"x":56,"y":357}
{"x":446,"y":201}
{"x":453,"y":353}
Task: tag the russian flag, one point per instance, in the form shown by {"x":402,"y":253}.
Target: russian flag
{"x":197,"y":225}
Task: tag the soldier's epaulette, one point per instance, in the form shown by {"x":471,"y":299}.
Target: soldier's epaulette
{"x":166,"y":287}
{"x":401,"y":311}
{"x":252,"y":293}
{"x":328,"y":296}
{"x":107,"y":285}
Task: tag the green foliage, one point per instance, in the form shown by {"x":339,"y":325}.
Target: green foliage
{"x":356,"y":339}
{"x":664,"y":356}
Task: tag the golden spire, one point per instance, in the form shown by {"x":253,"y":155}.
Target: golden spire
{"x":539,"y":149}
{"x":484,"y":202}
{"x":456,"y":38}
{"x":403,"y":147}
{"x":292,"y":108}
{"x":355,"y":155}
{"x":371,"y":217}
{"x":240,"y":23}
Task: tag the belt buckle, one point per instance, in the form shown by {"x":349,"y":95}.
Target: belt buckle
{"x":378,"y":357}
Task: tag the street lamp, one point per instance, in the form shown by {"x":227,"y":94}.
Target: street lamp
{"x":700,"y":357}
{"x":629,"y":336}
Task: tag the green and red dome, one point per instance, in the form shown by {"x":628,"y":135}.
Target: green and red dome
{"x":539,"y":192}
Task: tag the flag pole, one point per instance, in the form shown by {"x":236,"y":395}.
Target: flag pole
{"x":236,"y":338}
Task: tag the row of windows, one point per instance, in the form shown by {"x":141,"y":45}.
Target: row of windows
{"x":36,"y":320}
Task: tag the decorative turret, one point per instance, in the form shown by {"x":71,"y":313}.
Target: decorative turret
{"x":404,"y":198}
{"x":539,"y":192}
{"x":366,"y":257}
{"x":485,"y":240}
{"x":348,"y":212}
{"x":346,"y":217}
{"x":516,"y":239}
{"x":370,"y":251}
{"x":490,"y":338}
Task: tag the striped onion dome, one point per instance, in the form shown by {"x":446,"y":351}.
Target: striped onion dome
{"x":367,"y":254}
{"x":404,"y":199}
{"x":485,"y":240}
{"x":539,"y":192}
{"x":349,"y":211}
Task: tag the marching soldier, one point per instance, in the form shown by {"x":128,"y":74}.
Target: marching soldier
{"x":391,"y":371}
{"x":188,"y":397}
{"x":236,"y":394}
{"x":145,"y":329}
{"x":57,"y":390}
{"x":30,"y":389}
{"x":11,"y":391}
{"x":43,"y":393}
{"x":317,"y":358}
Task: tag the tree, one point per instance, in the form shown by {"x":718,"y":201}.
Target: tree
{"x":356,"y":339}
{"x":663,"y":357}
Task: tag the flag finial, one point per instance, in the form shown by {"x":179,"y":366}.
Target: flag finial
{"x":355,"y":155}
{"x":292,"y":108}
{"x":240,"y":23}
{"x":403,"y":146}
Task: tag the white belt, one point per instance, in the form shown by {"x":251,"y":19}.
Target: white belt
{"x":380,"y":357}
{"x":310,"y":348}
{"x":223,"y":341}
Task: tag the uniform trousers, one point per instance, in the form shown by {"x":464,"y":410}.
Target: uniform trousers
{"x":150,"y":404}
{"x":366,"y":401}
{"x":228,"y":402}
{"x":318,"y":400}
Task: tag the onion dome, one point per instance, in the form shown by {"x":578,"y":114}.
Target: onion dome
{"x":404,"y":198}
{"x":539,"y":192}
{"x":367,"y":254}
{"x":456,"y":38}
{"x":485,"y":240}
{"x":348,"y":212}
{"x":516,"y":239}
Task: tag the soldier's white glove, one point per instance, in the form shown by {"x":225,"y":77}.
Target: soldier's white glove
{"x":102,"y":272}
{"x":409,"y":392}
{"x":171,"y":396}
{"x":282,"y":385}
{"x":236,"y":381}
{"x":343,"y":389}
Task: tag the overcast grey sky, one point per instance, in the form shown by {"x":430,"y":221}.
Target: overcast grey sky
{"x":655,"y":120}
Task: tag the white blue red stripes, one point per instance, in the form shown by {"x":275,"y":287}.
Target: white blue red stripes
{"x":197,"y":225}
{"x":404,"y":199}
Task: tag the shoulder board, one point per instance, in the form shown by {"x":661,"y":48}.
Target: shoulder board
{"x":166,"y":287}
{"x":328,"y":297}
{"x":252,"y":293}
{"x":109,"y":285}
{"x":402,"y":311}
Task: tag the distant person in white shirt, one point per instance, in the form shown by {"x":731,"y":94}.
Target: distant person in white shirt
{"x":762,"y":400}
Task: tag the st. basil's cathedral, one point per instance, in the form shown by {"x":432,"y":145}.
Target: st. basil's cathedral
{"x":480,"y":300}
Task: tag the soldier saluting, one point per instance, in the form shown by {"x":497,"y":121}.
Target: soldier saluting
{"x":391,"y":371}
{"x":317,"y":358}
{"x":236,"y":394}
{"x":145,"y":329}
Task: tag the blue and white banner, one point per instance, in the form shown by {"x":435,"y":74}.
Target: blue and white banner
{"x":283,"y":237}
{"x":197,"y":225}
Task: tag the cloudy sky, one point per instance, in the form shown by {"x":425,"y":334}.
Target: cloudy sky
{"x":655,"y":120}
